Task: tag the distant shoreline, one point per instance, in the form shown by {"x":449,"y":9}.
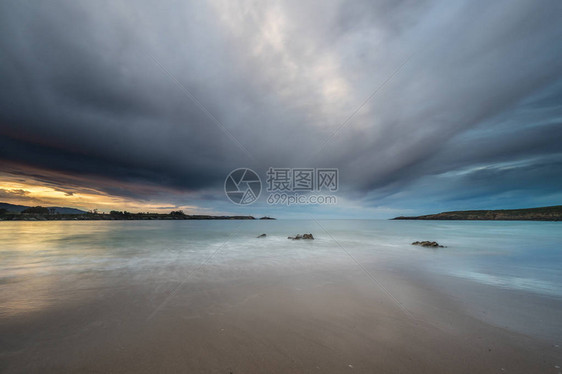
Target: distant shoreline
{"x":121,"y":217}
{"x":549,"y":213}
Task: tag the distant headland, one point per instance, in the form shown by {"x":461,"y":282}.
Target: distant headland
{"x":11,"y":212}
{"x":549,"y":213}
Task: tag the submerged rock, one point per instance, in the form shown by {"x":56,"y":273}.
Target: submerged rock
{"x":262,"y":236}
{"x":428,"y":244}
{"x":299,"y":236}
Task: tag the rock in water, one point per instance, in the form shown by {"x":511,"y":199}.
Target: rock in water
{"x":299,"y":236}
{"x":428,"y":244}
{"x":262,"y":236}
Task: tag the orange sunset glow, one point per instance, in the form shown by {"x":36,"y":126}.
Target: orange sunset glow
{"x":16,"y":190}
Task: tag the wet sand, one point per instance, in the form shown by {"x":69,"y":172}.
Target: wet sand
{"x":305,"y":320}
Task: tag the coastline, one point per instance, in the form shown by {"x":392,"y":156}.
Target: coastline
{"x":121,"y":217}
{"x":549,"y":213}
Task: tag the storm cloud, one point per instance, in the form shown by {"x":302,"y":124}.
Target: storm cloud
{"x":420,"y":104}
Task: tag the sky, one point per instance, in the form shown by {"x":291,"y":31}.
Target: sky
{"x":422,"y":106}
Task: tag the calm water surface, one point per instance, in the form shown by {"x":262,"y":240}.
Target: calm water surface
{"x":510,"y":269}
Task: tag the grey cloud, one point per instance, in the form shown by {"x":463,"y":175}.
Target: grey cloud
{"x":12,"y":193}
{"x":87,"y":90}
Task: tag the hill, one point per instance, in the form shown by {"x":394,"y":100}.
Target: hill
{"x":549,"y":213}
{"x":12,"y":208}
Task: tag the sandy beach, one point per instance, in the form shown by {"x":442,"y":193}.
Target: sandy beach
{"x":245,"y":321}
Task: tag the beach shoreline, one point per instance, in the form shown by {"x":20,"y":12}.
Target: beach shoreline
{"x":244,"y":321}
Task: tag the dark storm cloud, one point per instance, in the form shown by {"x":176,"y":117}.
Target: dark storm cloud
{"x":534,"y":182}
{"x":176,"y":94}
{"x":77,"y":99}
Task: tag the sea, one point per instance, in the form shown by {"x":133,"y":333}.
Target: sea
{"x":507,"y":273}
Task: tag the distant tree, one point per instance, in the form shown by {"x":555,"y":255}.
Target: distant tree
{"x":36,"y":210}
{"x":3,"y":211}
{"x":52,"y":210}
{"x":116,"y":213}
{"x":177,"y":213}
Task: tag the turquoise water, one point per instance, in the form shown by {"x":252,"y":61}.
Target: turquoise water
{"x":44,"y":263}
